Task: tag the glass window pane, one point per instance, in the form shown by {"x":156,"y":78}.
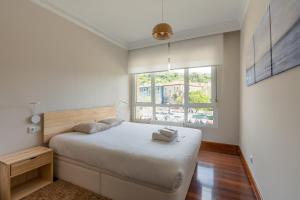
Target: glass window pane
{"x":200,"y":89}
{"x":143,"y":113}
{"x":169,"y":87}
{"x":169,"y":114}
{"x":143,"y":88}
{"x":201,"y":116}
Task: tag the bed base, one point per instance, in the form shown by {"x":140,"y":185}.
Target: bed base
{"x":114,"y":187}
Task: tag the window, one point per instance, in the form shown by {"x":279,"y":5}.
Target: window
{"x":143,"y":88}
{"x":169,"y":87}
{"x":179,"y":97}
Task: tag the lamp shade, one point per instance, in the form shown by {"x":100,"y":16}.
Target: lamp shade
{"x":162,"y":31}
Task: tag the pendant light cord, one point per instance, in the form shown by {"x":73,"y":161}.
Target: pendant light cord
{"x":169,"y":56}
{"x":162,"y":10}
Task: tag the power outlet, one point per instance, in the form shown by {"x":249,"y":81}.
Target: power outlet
{"x":251,"y":159}
{"x":33,"y":129}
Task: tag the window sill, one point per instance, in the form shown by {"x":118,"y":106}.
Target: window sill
{"x":188,"y":125}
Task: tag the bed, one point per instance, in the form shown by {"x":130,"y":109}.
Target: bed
{"x":123,"y":162}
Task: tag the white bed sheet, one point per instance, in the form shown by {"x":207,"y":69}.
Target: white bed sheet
{"x":129,"y":151}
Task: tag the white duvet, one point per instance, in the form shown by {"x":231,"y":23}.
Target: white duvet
{"x":129,"y":151}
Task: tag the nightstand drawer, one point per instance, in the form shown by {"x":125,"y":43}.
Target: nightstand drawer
{"x":29,"y":164}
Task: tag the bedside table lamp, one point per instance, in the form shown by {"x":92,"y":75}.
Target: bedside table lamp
{"x":35,"y":118}
{"x":118,"y":107}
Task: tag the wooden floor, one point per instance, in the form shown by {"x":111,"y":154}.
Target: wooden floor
{"x":219,"y":177}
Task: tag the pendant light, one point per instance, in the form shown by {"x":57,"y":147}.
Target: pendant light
{"x":162,"y":31}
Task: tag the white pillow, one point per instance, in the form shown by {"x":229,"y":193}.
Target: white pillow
{"x":90,"y":127}
{"x":112,"y":121}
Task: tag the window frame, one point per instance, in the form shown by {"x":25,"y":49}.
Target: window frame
{"x":186,"y":105}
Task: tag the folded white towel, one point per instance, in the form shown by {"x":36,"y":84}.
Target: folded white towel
{"x":168,"y":132}
{"x":161,"y":137}
{"x":171,"y":129}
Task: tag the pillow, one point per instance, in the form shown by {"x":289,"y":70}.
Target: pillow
{"x":90,"y":127}
{"x":112,"y":121}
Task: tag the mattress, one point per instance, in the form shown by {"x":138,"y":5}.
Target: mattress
{"x":129,"y":151}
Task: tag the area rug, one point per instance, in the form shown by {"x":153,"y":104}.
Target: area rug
{"x":61,"y":190}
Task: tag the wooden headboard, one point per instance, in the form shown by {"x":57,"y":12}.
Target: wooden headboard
{"x":63,"y":121}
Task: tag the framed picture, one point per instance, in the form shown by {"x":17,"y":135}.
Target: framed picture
{"x":250,"y":76}
{"x":276,"y":42}
{"x":285,"y":28}
{"x":250,"y":60}
{"x":262,"y":49}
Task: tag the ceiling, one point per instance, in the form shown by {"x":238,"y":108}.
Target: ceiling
{"x":129,"y":23}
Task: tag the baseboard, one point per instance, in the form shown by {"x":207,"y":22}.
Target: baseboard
{"x":220,"y":148}
{"x":250,"y":176}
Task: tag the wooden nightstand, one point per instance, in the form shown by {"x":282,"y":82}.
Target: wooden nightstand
{"x":25,"y":172}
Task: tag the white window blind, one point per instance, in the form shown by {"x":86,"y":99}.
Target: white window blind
{"x":198,"y":52}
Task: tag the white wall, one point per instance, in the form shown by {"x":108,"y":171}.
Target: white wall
{"x":228,"y":93}
{"x":270,"y":122}
{"x":45,"y":58}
